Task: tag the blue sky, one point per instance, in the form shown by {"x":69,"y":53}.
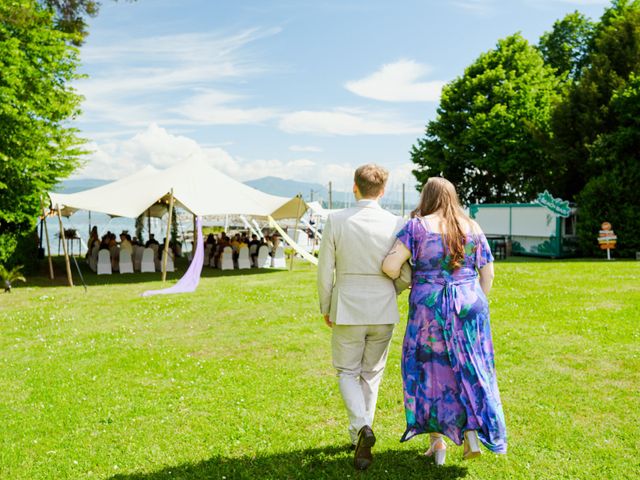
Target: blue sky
{"x":297,"y":89}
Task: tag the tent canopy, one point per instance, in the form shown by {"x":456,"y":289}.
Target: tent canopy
{"x":197,"y":187}
{"x":317,"y":209}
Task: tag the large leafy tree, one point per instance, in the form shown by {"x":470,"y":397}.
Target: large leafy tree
{"x":614,"y":195}
{"x":585,"y":112}
{"x":492,"y":128}
{"x":566,"y":46}
{"x":37,"y":145}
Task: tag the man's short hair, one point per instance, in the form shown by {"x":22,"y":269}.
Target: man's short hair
{"x":370,"y":179}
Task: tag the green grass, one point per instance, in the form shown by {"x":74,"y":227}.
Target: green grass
{"x":235,"y":380}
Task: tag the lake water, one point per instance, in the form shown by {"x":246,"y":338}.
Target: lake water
{"x":80,"y":222}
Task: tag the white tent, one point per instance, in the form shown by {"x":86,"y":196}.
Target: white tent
{"x":197,"y":187}
{"x":317,"y":209}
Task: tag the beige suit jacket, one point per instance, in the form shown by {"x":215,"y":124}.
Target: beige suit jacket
{"x":351,"y":286}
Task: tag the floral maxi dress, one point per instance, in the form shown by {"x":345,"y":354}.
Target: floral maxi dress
{"x":448,"y":367}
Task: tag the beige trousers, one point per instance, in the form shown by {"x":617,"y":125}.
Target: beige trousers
{"x":359,"y":356}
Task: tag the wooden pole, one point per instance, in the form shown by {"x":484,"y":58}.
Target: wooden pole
{"x":193,"y":244}
{"x":149,"y":223}
{"x":165,"y":253}
{"x":330,"y":196}
{"x":46,"y":233}
{"x":295,"y":232}
{"x":64,"y":247}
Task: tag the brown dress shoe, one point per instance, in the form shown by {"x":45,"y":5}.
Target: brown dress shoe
{"x":363,"y":456}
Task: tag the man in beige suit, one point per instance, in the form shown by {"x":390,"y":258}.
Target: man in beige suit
{"x":358,"y":301}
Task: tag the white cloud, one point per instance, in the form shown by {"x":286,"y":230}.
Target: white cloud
{"x":211,"y":108}
{"x":304,"y":148}
{"x":154,"y":146}
{"x":398,"y":82}
{"x":344,"y":122}
{"x":158,"y":147}
{"x":136,"y":81}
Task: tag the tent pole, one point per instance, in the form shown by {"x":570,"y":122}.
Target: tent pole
{"x":193,"y":244}
{"x":149,"y":224}
{"x":46,"y":233}
{"x":295,"y":231}
{"x":64,"y":247}
{"x":165,"y":254}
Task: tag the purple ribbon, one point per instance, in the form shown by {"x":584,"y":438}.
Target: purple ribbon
{"x":191,"y":278}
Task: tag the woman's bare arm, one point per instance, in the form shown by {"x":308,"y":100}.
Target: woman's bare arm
{"x":394,"y":260}
{"x":486,"y":278}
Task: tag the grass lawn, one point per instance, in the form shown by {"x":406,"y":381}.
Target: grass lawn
{"x":235,"y":380}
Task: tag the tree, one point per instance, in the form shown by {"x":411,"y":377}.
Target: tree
{"x":584,"y":113}
{"x":492,"y":128}
{"x":613,"y":195}
{"x":37,"y":147}
{"x":566,"y":46}
{"x":70,"y":16}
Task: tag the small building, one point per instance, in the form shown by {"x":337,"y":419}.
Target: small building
{"x":528,"y":228}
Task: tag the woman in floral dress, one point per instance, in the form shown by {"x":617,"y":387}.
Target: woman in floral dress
{"x":448,"y":367}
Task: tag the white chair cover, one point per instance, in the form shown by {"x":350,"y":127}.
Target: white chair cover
{"x":104,"y":262}
{"x":264,"y":260}
{"x":243,"y":258}
{"x":148,"y":263}
{"x":137,"y":257}
{"x":115,"y":255}
{"x":170,"y":266}
{"x":93,"y":257}
{"x":226,"y":262}
{"x":278,"y":260}
{"x":125,"y":263}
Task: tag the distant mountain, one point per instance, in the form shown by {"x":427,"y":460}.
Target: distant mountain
{"x":273,"y":185}
{"x":73,"y":186}
{"x":340,"y":199}
{"x":289,"y":188}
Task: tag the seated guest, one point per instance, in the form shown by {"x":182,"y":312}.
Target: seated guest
{"x":125,"y":242}
{"x":224,"y":242}
{"x":240,"y":243}
{"x":275,"y":244}
{"x":152,"y":241}
{"x":211,"y":239}
{"x":104,"y":243}
{"x":93,"y":237}
{"x":176,"y":247}
{"x":254,"y":246}
{"x":235,"y":242}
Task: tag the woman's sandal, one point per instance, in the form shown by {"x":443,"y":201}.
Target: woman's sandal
{"x":437,"y":449}
{"x":471,"y":445}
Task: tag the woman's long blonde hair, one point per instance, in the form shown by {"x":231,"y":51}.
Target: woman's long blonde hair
{"x":439,"y":195}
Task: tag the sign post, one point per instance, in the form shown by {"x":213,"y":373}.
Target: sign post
{"x":607,"y":239}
